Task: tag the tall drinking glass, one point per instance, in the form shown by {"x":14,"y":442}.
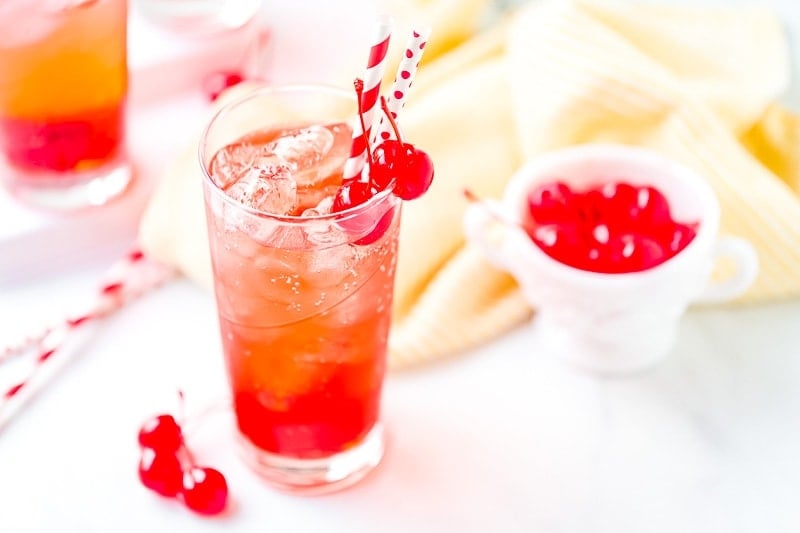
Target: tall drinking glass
{"x":63,"y":82}
{"x":304,"y":296}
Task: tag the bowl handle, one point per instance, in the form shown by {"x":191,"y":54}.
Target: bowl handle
{"x":746,"y":259}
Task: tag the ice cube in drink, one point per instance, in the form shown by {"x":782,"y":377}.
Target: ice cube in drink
{"x":268,"y":186}
{"x":313,"y":154}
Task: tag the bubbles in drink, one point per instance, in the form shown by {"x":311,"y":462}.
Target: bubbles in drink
{"x":268,"y":187}
{"x":332,"y":266}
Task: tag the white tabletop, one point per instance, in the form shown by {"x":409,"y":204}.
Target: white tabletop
{"x":503,"y":438}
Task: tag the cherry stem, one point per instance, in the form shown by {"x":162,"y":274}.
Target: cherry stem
{"x":471,"y":196}
{"x":181,"y":407}
{"x":359,"y":86}
{"x":388,"y":113}
{"x":181,"y":422}
{"x":187,"y":453}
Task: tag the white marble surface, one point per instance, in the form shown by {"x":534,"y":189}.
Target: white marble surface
{"x":503,"y":438}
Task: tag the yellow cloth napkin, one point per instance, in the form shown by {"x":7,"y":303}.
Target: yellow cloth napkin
{"x":698,"y":85}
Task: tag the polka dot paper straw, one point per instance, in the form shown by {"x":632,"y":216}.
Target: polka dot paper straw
{"x":376,"y":66}
{"x":402,"y":82}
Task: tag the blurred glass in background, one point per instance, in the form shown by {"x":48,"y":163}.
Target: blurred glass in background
{"x":199,"y":16}
{"x":63,"y":86}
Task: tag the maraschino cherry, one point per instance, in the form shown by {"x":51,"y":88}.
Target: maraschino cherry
{"x":551,"y":203}
{"x":352,"y":192}
{"x":168,"y":468}
{"x":215,"y":83}
{"x":411,"y":168}
{"x":393,"y":163}
{"x":161,"y":472}
{"x":613,"y":228}
{"x":161,"y":433}
{"x":205,"y":490}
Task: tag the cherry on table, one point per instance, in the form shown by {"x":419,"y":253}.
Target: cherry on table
{"x":168,"y":468}
{"x":161,"y":472}
{"x":161,"y":433}
{"x":205,"y":490}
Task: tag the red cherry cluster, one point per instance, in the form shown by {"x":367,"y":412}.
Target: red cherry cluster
{"x":613,"y":228}
{"x":168,"y":468}
{"x":393,"y":163}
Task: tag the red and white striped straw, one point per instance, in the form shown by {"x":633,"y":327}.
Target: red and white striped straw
{"x":129,"y":278}
{"x":402,"y":81}
{"x":376,"y":65}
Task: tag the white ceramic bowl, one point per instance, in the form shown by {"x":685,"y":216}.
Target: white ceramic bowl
{"x":612,"y":323}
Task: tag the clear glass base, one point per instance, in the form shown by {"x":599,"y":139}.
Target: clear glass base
{"x":316,"y":476}
{"x":63,"y":192}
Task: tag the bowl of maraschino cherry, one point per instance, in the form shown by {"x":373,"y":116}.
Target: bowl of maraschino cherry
{"x":610,"y":244}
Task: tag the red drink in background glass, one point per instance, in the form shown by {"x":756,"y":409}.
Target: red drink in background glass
{"x":63,"y":83}
{"x":304,"y":297}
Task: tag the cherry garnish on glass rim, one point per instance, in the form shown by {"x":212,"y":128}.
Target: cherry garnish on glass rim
{"x":411,"y":168}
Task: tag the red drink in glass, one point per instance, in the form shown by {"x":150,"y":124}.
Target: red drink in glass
{"x":304,"y":296}
{"x":63,"y":82}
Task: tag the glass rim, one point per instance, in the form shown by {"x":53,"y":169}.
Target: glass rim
{"x":252,"y":94}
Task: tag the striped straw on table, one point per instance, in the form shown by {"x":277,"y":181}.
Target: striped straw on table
{"x":130,"y":277}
